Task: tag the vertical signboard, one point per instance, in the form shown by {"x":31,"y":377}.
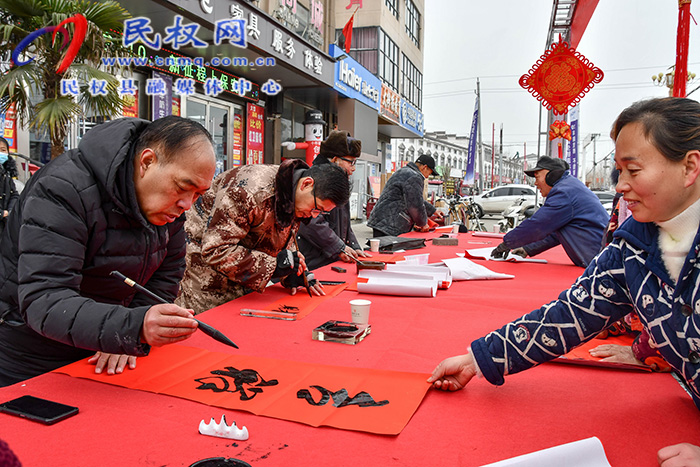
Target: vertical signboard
{"x":237,"y":139}
{"x":255,"y":142}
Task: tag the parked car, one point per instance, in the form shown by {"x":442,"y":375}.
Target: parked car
{"x":606,"y":199}
{"x":496,"y":200}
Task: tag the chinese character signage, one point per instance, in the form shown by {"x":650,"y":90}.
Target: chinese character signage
{"x":255,"y":143}
{"x":161,"y":87}
{"x":131,"y":105}
{"x":237,"y":139}
{"x":8,"y":122}
{"x":391,"y":104}
{"x":411,"y":118}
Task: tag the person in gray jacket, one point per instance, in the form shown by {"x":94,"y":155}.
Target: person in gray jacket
{"x":401,"y":205}
{"x":114,"y":203}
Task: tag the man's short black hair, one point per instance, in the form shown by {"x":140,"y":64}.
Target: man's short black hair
{"x":330,"y":183}
{"x":170,"y":134}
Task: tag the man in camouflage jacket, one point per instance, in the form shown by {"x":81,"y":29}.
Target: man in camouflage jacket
{"x":237,"y":233}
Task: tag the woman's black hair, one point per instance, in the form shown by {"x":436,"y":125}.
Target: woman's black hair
{"x":671,"y":124}
{"x":3,"y":140}
{"x":170,"y":135}
{"x":330,"y":182}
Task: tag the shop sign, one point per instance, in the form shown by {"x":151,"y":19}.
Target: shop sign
{"x":256,"y":134}
{"x":237,"y":139}
{"x":163,"y":103}
{"x":131,"y":104}
{"x":391,"y":103}
{"x":411,"y":118}
{"x":355,"y":81}
{"x":8,"y":123}
{"x":266,"y":35}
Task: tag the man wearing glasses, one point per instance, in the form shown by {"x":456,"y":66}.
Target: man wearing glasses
{"x":240,"y":233}
{"x":329,"y":237}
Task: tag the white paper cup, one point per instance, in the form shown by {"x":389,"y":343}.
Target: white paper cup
{"x":374,"y":245}
{"x":496,"y":228}
{"x":359,"y":309}
{"x":455,"y":228}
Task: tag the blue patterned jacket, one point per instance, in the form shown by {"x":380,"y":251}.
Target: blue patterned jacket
{"x":629,"y":274}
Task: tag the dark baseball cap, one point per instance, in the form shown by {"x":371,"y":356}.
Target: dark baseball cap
{"x":429,"y":161}
{"x":547,"y":163}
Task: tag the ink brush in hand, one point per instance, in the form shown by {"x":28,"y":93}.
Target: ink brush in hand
{"x":204,"y":327}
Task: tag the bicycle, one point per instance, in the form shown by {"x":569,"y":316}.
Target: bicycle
{"x":463,"y":213}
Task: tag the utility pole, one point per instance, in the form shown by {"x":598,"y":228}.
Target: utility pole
{"x":482,"y":174}
{"x":500,"y":154}
{"x":586,"y":141}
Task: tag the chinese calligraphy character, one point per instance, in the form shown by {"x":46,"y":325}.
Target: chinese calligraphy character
{"x":289,"y":48}
{"x":340,"y":398}
{"x":241,"y":86}
{"x":317,"y":14}
{"x":308,"y":59}
{"x":240,"y":378}
{"x":135,"y":30}
{"x":155,"y":87}
{"x":201,"y":73}
{"x":212,"y":87}
{"x":277,"y":40}
{"x":98,"y":87}
{"x":179,"y":35}
{"x":235,"y":11}
{"x":69,"y":87}
{"x":354,"y":2}
{"x":184,"y":86}
{"x":318,"y":65}
{"x":126,"y":86}
{"x":231,"y":29}
{"x":271,"y":87}
{"x":253,"y":30}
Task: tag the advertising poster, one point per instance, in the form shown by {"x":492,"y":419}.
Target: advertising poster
{"x":255,"y":142}
{"x":8,"y":121}
{"x":131,"y":104}
{"x":237,"y":139}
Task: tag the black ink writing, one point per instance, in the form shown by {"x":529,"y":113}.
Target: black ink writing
{"x":246,"y":382}
{"x":340,"y":398}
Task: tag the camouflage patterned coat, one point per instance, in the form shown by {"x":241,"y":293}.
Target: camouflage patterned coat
{"x":235,"y":231}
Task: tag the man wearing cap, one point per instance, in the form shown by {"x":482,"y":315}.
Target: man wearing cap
{"x":401,"y":205}
{"x":571,"y":216}
{"x":329,"y":237}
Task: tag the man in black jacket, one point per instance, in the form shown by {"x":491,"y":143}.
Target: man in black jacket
{"x":114,"y":203}
{"x":329,"y":237}
{"x":401,"y":206}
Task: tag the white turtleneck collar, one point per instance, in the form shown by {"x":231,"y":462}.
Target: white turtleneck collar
{"x":676,"y":237}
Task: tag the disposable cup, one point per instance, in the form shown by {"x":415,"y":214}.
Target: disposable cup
{"x":359,"y":309}
{"x":374,"y":245}
{"x":455,"y":228}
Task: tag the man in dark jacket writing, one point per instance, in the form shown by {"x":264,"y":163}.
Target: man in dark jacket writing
{"x":571,"y":216}
{"x":114,"y":203}
{"x":401,"y":205}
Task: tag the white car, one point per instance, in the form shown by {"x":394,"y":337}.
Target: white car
{"x":496,"y":200}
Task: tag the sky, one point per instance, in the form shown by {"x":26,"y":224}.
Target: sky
{"x":629,"y":40}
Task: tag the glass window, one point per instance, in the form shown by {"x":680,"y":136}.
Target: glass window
{"x":364,"y":47}
{"x":413,"y":22}
{"x":388,"y":61}
{"x":412,"y":85}
{"x":393,"y":6}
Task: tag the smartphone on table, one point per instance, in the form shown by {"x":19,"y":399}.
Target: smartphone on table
{"x":39,"y":410}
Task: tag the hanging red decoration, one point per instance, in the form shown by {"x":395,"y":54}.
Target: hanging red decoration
{"x":559,"y":129}
{"x":561,"y":77}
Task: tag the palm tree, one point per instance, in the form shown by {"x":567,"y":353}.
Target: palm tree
{"x":40,"y":79}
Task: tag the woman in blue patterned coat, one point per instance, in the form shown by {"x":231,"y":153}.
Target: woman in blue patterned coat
{"x":650,"y":267}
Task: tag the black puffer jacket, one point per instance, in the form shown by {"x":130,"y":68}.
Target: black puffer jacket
{"x":324,"y":237}
{"x":8,"y":195}
{"x":77,"y":220}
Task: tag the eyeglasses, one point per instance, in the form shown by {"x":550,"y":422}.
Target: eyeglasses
{"x":316,"y":211}
{"x":349,"y":161}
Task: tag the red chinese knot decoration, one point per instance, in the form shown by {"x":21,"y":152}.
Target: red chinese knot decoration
{"x":560,"y":78}
{"x":560,"y":129}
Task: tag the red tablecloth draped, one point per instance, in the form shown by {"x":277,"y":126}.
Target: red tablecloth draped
{"x":633,"y":413}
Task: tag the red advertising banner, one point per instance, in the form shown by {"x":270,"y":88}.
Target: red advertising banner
{"x":131,"y":105}
{"x":237,"y":139}
{"x":390,"y":104}
{"x":255,"y":134}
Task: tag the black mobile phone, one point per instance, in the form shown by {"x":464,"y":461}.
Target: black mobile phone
{"x":39,"y":410}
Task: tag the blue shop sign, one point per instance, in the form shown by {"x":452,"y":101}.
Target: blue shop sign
{"x":355,"y":81}
{"x":411,"y":118}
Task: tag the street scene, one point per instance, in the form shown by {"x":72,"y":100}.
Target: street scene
{"x":345,"y":232}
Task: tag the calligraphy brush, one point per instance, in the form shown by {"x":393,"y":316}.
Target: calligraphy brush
{"x":305,"y":271}
{"x":204,"y":327}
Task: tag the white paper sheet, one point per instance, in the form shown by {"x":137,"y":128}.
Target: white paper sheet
{"x":485,"y":253}
{"x":437,"y":271}
{"x":398,"y":286}
{"x":463,"y":269}
{"x":587,"y":452}
{"x":488,"y":234}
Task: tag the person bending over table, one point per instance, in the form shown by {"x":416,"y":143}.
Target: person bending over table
{"x":329,"y":237}
{"x":571,"y":215}
{"x":650,"y":266}
{"x":401,"y":205}
{"x":240,"y":233}
{"x":114,"y":203}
